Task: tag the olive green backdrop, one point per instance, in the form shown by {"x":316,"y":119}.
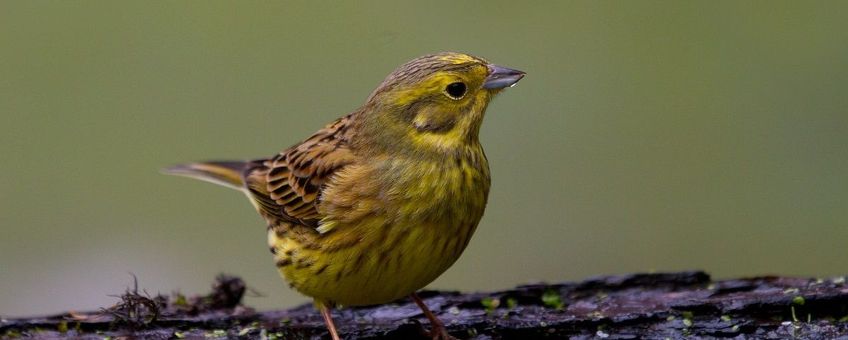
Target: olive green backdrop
{"x":646,"y":136}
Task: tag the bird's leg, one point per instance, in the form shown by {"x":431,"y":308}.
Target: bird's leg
{"x":328,"y":320}
{"x":437,"y":328}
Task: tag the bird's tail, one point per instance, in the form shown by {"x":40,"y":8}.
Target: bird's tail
{"x":226,"y":173}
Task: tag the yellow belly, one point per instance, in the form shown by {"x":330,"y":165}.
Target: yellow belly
{"x":377,"y":263}
{"x":387,"y":230}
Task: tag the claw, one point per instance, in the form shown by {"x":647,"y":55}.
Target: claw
{"x":437,"y":327}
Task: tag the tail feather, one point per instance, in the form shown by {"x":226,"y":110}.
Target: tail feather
{"x":226,"y":173}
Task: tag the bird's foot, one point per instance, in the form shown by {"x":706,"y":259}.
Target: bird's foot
{"x":439,"y":332}
{"x":436,"y":332}
{"x":437,"y":328}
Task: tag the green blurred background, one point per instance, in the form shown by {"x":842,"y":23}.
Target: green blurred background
{"x":646,"y":136}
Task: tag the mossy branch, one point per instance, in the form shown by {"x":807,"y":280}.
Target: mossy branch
{"x":670,"y":305}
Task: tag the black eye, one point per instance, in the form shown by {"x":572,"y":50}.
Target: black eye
{"x":455,"y":90}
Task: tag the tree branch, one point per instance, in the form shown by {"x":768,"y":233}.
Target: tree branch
{"x":671,"y":305}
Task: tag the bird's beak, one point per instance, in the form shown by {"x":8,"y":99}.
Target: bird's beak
{"x":501,"y":77}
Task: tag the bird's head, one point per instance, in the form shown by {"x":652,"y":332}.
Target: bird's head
{"x":436,"y":102}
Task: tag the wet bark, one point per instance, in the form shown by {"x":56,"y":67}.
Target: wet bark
{"x":637,"y":306}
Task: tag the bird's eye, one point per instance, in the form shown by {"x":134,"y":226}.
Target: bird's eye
{"x":455,"y":90}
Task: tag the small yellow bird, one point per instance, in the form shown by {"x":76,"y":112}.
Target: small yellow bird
{"x":379,"y":203}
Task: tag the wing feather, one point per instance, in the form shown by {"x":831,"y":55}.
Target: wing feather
{"x":288,"y":186}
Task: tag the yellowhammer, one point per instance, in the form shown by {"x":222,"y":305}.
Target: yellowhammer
{"x":379,"y":203}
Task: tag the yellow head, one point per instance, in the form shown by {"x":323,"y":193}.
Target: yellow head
{"x":434,"y":103}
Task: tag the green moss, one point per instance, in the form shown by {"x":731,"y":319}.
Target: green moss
{"x":218,"y":333}
{"x":596,"y":315}
{"x":245,"y":331}
{"x":551,"y":299}
{"x":62,"y":327}
{"x":180,"y":300}
{"x":490,"y":304}
{"x":511,"y":303}
{"x":687,"y":319}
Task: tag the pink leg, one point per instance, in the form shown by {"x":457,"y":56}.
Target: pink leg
{"x":328,"y":319}
{"x":437,"y":328}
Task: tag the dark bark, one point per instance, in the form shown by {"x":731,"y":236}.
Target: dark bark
{"x":654,"y":306}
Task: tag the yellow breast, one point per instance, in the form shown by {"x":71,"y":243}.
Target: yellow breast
{"x":391,"y":228}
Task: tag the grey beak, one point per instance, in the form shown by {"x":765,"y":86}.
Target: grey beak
{"x":501,"y":77}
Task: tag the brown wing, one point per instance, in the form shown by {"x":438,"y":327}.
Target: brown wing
{"x":288,"y":186}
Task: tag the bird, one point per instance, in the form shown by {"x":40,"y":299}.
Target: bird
{"x":380,"y":202}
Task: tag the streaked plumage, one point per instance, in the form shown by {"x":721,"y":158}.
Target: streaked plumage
{"x":379,"y":203}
